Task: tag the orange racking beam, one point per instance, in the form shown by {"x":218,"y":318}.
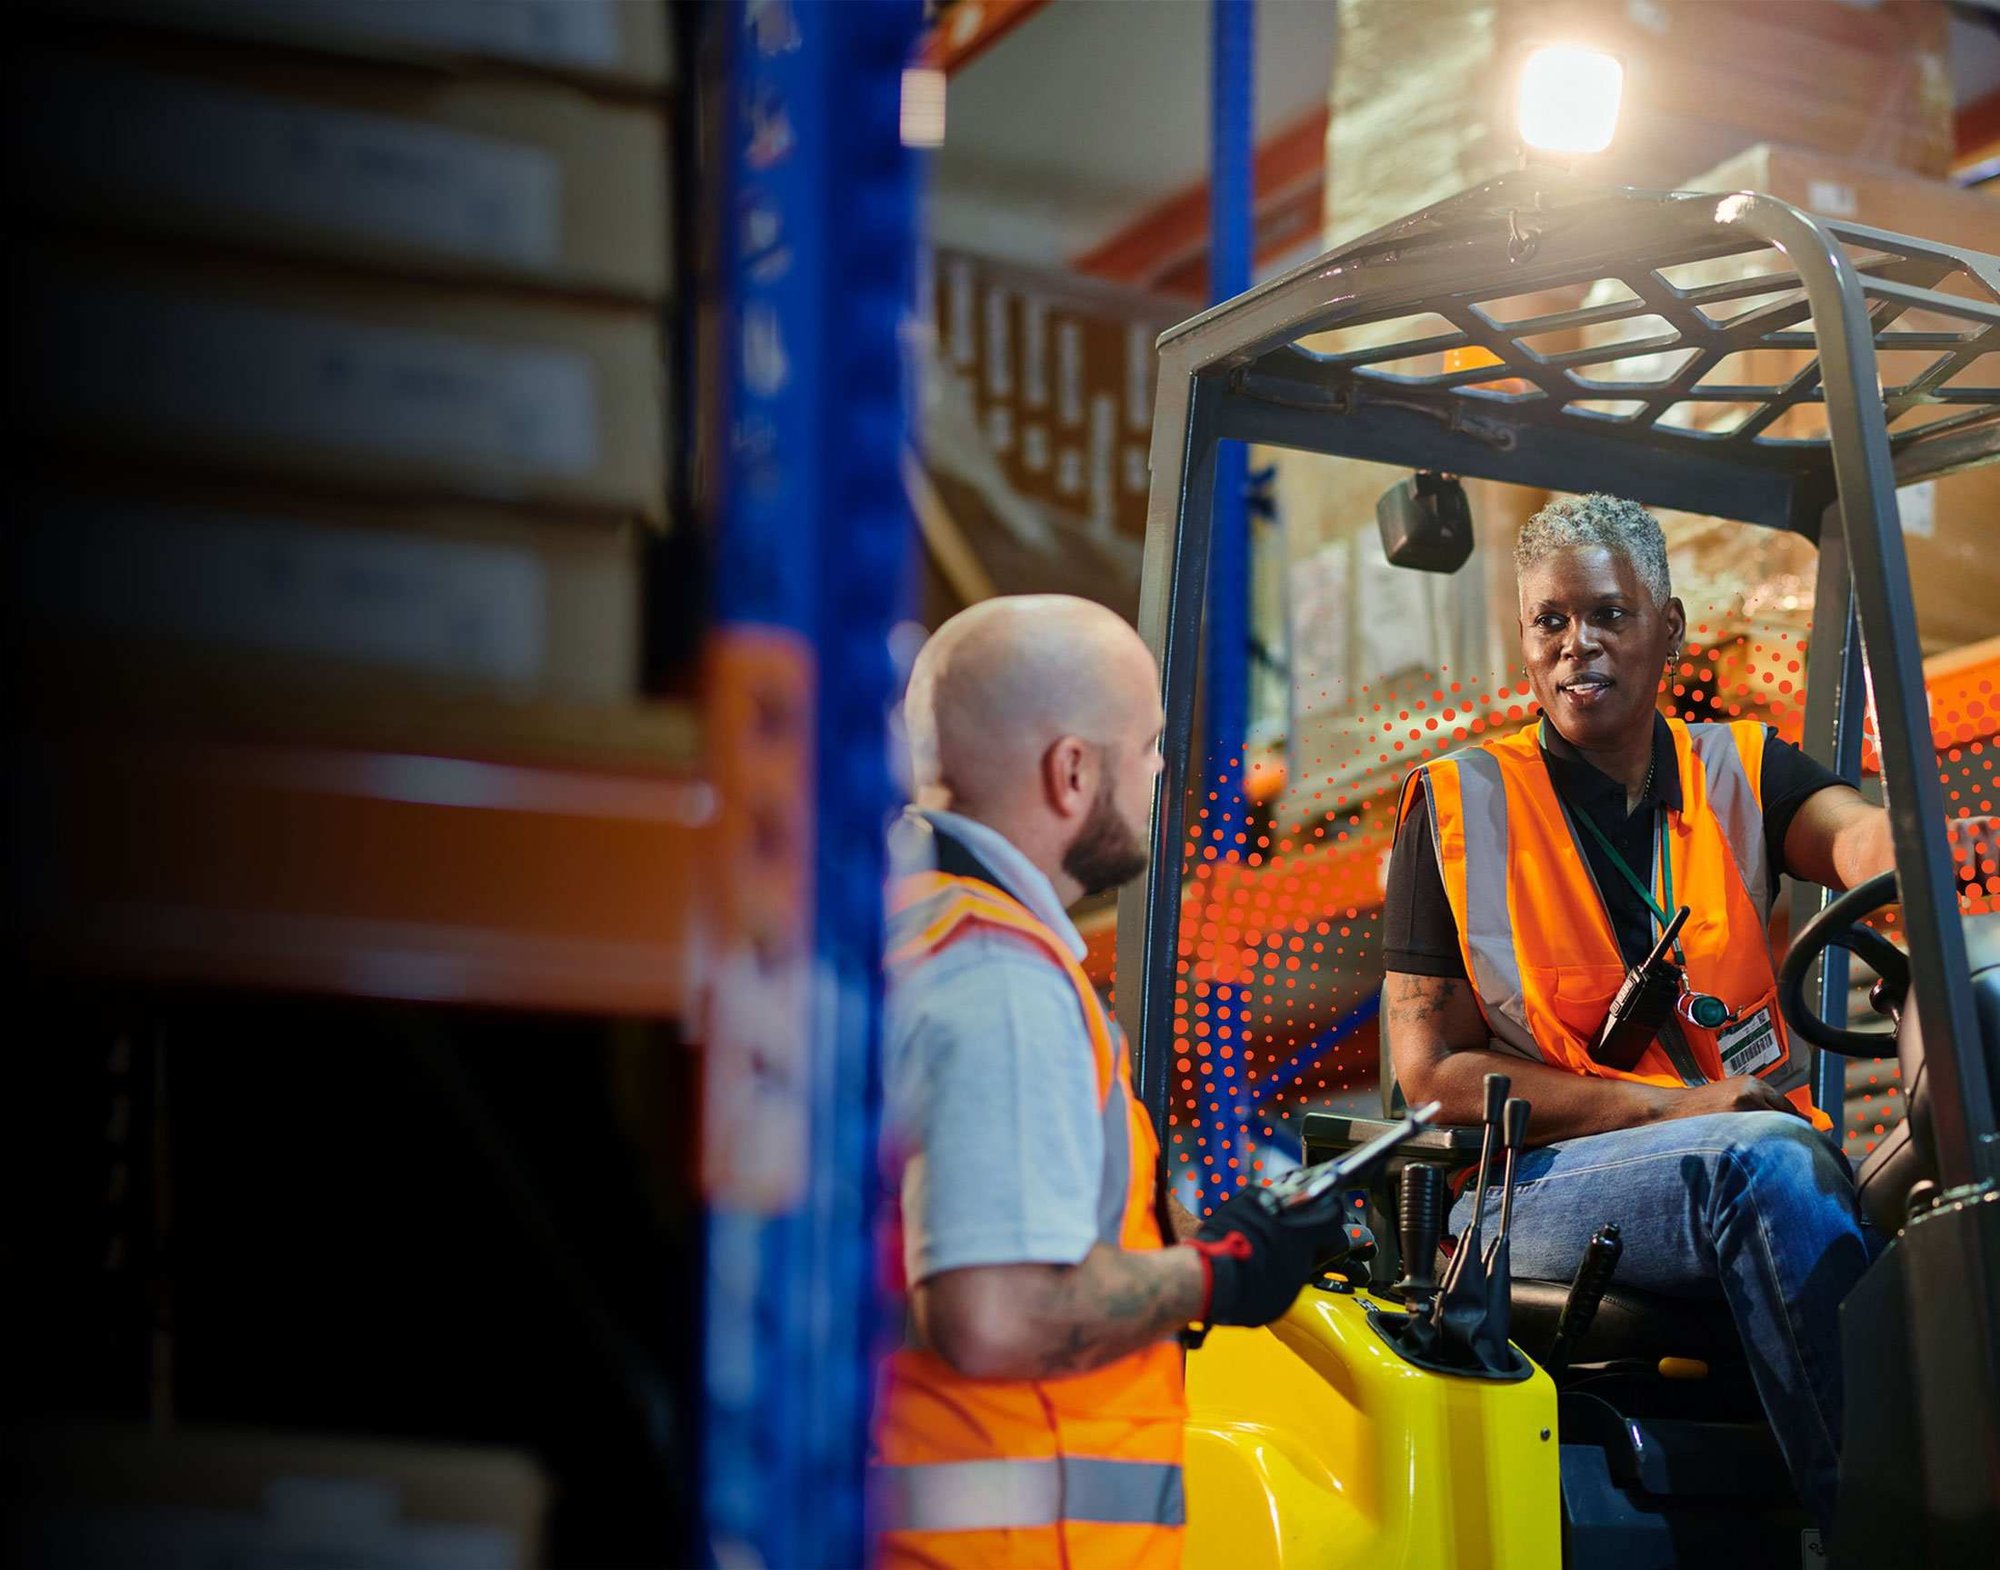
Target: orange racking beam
{"x":968,"y":29}
{"x":1166,"y":247}
{"x":372,"y":874}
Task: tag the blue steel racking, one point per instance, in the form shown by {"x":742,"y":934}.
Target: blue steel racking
{"x":815,"y":543}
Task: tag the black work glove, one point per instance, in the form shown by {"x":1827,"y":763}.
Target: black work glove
{"x":1260,"y":1253}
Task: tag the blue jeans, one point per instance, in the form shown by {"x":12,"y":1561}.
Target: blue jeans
{"x":1754,"y":1207}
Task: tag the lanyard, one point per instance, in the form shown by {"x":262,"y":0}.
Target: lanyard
{"x":1659,"y":912}
{"x":1697,"y":1008}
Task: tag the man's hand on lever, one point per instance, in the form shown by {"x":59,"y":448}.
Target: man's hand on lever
{"x":1259,"y":1256}
{"x":1242,"y":1266}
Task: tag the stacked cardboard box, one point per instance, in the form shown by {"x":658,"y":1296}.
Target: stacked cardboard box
{"x":339,"y":340}
{"x":1058,"y":373}
{"x":1423,"y":105}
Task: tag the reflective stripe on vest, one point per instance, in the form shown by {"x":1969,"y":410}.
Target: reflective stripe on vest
{"x":1487,"y":932}
{"x":978,"y":1496}
{"x":1733,"y":798}
{"x":1117,"y":1169}
{"x":1737,"y":802}
{"x":1083,"y":1470}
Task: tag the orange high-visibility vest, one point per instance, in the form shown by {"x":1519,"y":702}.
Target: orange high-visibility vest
{"x":1538,"y":943}
{"x":1063,"y":1472}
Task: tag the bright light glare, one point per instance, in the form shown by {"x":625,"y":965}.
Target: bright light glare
{"x":1569,"y":99}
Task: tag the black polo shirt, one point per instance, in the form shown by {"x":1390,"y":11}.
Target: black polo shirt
{"x":1419,"y":932}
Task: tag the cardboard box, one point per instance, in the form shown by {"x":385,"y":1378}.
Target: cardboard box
{"x":393,"y":390}
{"x":1422,"y":95}
{"x":623,"y":44}
{"x":529,"y":181}
{"x":1362,"y":641}
{"x":1872,"y":193}
{"x":1057,"y":373}
{"x":1869,"y":82}
{"x":448,"y":599}
{"x":1949,"y":527}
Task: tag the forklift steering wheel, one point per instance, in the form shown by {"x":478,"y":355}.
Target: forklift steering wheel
{"x":1839,"y":926}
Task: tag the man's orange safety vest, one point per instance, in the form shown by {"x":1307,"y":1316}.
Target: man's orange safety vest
{"x":1536,"y":937}
{"x":1078,"y":1471}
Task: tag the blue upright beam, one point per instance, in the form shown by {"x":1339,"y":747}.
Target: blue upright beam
{"x":1226,"y":646}
{"x":1232,"y":129}
{"x":815,"y":541}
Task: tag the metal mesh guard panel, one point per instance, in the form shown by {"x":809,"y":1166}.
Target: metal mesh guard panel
{"x":1707,"y":343}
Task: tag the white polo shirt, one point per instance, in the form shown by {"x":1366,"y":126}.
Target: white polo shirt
{"x":990,"y":1090}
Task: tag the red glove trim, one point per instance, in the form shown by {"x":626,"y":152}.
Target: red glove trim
{"x":1207,"y":1281}
{"x":1231,"y":1245}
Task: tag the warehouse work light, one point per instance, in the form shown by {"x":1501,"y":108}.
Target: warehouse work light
{"x":1569,"y":99}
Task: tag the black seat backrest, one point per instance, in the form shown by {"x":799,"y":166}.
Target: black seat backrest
{"x":1908,"y":1152}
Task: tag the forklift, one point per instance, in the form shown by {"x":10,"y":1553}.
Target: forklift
{"x":1474,"y":1420}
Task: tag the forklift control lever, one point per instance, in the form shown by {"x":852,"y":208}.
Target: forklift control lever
{"x":1420,"y":1216}
{"x":1306,"y":1184}
{"x":1593,"y":1276}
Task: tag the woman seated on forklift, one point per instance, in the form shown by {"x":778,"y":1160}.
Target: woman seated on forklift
{"x":1533,"y":874}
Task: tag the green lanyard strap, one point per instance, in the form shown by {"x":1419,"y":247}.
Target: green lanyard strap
{"x":1659,"y":913}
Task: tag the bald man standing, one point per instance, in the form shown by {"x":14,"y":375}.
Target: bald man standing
{"x":1034,"y":1416}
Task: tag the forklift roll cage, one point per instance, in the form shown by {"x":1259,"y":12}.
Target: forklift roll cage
{"x":1520,"y":415}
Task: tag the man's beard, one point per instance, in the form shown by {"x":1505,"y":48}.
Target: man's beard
{"x":1105,"y":853}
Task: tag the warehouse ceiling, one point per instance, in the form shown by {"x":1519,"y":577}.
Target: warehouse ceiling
{"x":1091,"y":112}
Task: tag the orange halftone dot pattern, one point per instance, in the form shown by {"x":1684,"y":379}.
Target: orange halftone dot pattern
{"x":1279,"y":955}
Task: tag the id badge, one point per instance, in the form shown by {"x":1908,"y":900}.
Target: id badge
{"x":1751,"y":1044}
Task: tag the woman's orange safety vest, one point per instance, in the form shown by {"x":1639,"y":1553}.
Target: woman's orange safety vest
{"x":1537,"y":940}
{"x":1033,"y":1473}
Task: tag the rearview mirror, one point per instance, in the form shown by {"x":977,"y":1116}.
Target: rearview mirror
{"x":1426,"y":523}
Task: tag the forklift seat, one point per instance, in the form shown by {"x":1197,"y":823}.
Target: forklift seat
{"x":1630,"y":1325}
{"x":1904,"y":1158}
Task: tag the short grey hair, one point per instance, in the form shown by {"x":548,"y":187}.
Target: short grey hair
{"x":1596,"y":519}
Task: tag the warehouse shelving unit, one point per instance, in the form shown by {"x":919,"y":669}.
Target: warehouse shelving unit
{"x":439,"y":932}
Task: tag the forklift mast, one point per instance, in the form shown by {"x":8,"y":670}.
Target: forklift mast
{"x":1248,"y":371}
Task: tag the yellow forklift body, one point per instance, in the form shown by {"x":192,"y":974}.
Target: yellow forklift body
{"x":1313,"y":1444}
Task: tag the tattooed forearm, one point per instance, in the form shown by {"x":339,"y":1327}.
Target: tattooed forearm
{"x":1109,"y":1306}
{"x":1039,"y":1321}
